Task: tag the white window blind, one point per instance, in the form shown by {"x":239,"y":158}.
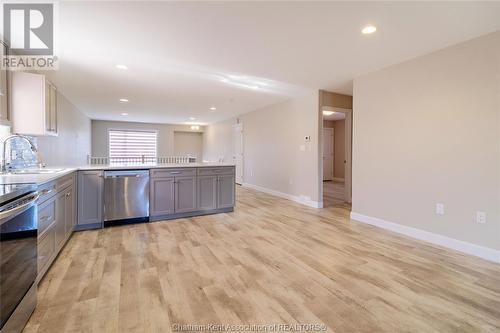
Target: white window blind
{"x":126,"y":144}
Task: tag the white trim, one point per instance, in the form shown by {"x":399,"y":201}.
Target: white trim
{"x":336,"y":179}
{"x":451,"y":243}
{"x":299,"y":199}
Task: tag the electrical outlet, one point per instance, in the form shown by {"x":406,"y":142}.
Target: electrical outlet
{"x":440,"y":208}
{"x":480,"y":217}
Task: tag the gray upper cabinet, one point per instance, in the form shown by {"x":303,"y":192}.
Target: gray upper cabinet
{"x":225,"y":191}
{"x":90,"y":197}
{"x":185,"y":194}
{"x":207,"y":192}
{"x":161,"y":196}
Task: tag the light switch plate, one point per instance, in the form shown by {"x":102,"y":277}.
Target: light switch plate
{"x":440,"y":208}
{"x":480,"y":217}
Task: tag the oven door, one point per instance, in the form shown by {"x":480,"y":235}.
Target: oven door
{"x":18,"y":252}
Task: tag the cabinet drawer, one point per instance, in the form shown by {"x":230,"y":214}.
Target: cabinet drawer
{"x":46,"y":248}
{"x":65,"y":182}
{"x":46,"y":191}
{"x":46,"y":215}
{"x":160,"y":173}
{"x":215,"y":171}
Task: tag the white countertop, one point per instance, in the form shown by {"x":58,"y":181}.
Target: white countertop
{"x":45,"y":178}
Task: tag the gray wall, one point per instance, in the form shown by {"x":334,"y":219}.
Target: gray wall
{"x":273,"y":136}
{"x":72,"y":145}
{"x":165,"y":135}
{"x":427,"y":131}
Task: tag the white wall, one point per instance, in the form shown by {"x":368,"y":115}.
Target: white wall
{"x":218,"y":141}
{"x":165,"y":135}
{"x":428,"y":131}
{"x":272,"y":138}
{"x":72,"y":145}
{"x":188,"y":143}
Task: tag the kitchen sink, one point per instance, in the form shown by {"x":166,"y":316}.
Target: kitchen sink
{"x":33,"y":171}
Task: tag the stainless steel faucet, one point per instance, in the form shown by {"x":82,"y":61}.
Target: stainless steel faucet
{"x":4,"y":157}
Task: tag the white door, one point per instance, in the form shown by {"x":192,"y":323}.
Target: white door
{"x":238,"y":152}
{"x":327,"y":153}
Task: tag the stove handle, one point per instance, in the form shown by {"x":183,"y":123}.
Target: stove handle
{"x":17,"y":209}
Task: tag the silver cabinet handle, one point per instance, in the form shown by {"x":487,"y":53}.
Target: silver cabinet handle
{"x":46,"y":191}
{"x":175,"y":172}
{"x":19,"y":208}
{"x":44,"y":218}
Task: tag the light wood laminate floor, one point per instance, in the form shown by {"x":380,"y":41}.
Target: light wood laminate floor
{"x":271,"y":261}
{"x":333,"y":194}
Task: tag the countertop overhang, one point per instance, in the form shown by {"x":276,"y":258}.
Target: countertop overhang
{"x":40,"y":179}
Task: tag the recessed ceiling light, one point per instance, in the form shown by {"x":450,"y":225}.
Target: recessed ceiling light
{"x":213,"y":108}
{"x":369,"y":29}
{"x":328,"y":113}
{"x":123,"y":100}
{"x":120,"y":66}
{"x":192,"y":118}
{"x":195,"y":127}
{"x":124,"y":114}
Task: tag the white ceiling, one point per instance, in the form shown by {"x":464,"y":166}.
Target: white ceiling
{"x":185,"y":57}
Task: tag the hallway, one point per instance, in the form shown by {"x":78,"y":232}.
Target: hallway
{"x":333,"y":194}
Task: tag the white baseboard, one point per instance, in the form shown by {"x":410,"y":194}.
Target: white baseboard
{"x":300,"y":199}
{"x":335,"y":179}
{"x":455,"y":244}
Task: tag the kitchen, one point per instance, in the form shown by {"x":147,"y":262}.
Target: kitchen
{"x":41,"y":205}
{"x":177,"y":166}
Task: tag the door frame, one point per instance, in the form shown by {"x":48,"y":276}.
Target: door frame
{"x":348,"y":150}
{"x":238,"y":135}
{"x":332,"y":130}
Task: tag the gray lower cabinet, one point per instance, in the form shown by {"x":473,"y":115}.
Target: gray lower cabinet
{"x":161,"y":196}
{"x":60,"y":225}
{"x":207,"y":192}
{"x":216,"y":192}
{"x":56,"y":220}
{"x":185,"y":194}
{"x":90,"y":198}
{"x":225,"y":191}
{"x":69,"y":210}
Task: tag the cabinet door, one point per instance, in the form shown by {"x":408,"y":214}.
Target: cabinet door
{"x":90,"y":188}
{"x":185,"y":194}
{"x":53,"y":109}
{"x":225,"y":191}
{"x":161,"y":196}
{"x":69,"y":210}
{"x":48,"y":93}
{"x":207,"y":192}
{"x":60,"y":225}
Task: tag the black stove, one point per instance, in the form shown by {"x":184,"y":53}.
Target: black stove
{"x":18,"y":254}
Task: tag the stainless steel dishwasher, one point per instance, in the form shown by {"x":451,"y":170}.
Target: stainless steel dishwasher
{"x":126,"y":195}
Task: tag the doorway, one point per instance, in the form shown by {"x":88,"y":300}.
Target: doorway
{"x":337,"y":143}
{"x":328,"y":153}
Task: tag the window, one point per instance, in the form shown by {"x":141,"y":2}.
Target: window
{"x":130,"y":145}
